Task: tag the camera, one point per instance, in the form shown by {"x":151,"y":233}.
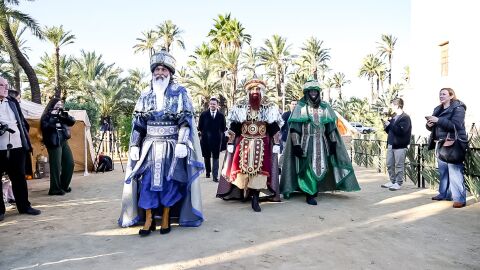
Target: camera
{"x":4,"y":128}
{"x":62,"y":112}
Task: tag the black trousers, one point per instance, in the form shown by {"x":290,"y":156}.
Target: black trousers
{"x":14,"y":166}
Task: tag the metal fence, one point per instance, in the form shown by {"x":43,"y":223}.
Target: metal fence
{"x":420,"y":164}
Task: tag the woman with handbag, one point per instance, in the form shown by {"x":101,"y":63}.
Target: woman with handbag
{"x":447,"y":124}
{"x":55,"y":125}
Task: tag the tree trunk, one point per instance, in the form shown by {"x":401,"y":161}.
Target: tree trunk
{"x":390,"y":70}
{"x":16,"y":78}
{"x":234,"y":86}
{"x":372,"y":93}
{"x":340,"y":93}
{"x":15,"y":52}
{"x":58,"y":89}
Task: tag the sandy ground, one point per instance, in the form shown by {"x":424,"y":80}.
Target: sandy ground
{"x":371,"y":229}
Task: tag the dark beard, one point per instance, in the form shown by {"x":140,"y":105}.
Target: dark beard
{"x":313,"y":102}
{"x":254,"y":100}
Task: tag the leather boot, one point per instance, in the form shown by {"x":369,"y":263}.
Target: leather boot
{"x":255,"y":197}
{"x":165,"y":221}
{"x":149,"y":225}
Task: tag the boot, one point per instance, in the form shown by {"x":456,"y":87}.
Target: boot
{"x":165,"y":221}
{"x":310,"y":199}
{"x":255,"y":197}
{"x":149,"y":225}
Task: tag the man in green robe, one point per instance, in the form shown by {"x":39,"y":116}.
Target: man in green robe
{"x":315,"y":158}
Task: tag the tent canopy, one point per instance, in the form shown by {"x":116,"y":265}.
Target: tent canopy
{"x":80,"y":143}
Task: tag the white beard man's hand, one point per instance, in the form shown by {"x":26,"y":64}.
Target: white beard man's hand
{"x":134,"y":153}
{"x":180,"y":150}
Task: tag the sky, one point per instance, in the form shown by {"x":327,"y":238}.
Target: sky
{"x":350,"y":28}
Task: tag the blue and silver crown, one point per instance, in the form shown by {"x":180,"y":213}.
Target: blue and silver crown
{"x":163,"y":58}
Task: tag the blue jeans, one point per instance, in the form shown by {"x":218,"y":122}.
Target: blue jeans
{"x":452,"y":185}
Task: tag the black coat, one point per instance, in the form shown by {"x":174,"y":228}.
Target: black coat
{"x":284,"y":128}
{"x":212,"y":132}
{"x":399,"y":131}
{"x":53,"y":136}
{"x":449,"y":119}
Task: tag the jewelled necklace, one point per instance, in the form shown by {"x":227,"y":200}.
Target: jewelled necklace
{"x":252,"y":114}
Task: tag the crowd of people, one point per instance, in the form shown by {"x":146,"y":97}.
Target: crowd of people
{"x":167,"y":156}
{"x":162,"y":179}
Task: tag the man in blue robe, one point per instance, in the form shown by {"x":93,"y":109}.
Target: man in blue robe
{"x":164,"y":157}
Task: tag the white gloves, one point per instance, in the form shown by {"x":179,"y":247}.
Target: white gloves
{"x":180,"y":150}
{"x":134,"y":153}
{"x":230,"y":148}
{"x":276,"y":149}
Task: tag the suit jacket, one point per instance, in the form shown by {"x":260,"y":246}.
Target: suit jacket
{"x":212,"y":130}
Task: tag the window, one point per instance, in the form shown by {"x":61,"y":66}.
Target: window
{"x":444,"y":59}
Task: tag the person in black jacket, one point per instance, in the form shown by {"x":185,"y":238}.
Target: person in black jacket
{"x":284,"y":129}
{"x":14,"y":147}
{"x":399,"y":130}
{"x":447,"y":119}
{"x":211,"y":126}
{"x":55,"y":126}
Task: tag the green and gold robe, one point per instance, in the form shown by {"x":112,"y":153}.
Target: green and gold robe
{"x":325,"y":164}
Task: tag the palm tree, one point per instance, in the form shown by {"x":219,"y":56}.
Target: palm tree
{"x":275,"y":56}
{"x":89,"y":68}
{"x":135,"y":80}
{"x":12,"y":47}
{"x":169,"y":33}
{"x":227,"y":64}
{"x":371,"y":67}
{"x":385,"y":49}
{"x":339,"y":81}
{"x":203,"y":84}
{"x":15,"y":68}
{"x":59,"y":38}
{"x":328,"y":85}
{"x":228,"y":36}
{"x":250,"y":61}
{"x":314,"y":57}
{"x":228,"y":32}
{"x":203,"y":55}
{"x":147,"y":43}
{"x":294,"y":87}
{"x":47,"y":74}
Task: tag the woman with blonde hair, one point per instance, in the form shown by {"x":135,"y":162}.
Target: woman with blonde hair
{"x":448,"y":121}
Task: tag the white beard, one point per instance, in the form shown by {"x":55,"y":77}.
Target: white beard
{"x":159,"y":86}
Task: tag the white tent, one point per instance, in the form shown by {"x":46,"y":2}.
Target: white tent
{"x":80,"y":143}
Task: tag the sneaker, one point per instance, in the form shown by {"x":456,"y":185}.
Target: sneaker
{"x":395,"y":187}
{"x":387,"y":185}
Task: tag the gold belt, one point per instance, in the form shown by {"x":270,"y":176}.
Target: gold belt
{"x":254,"y":129}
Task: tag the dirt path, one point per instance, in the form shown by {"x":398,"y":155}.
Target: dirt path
{"x":371,"y":229}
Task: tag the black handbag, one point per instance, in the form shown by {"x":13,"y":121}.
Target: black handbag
{"x":451,"y":150}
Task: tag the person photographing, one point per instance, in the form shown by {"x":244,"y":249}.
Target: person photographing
{"x":55,"y":126}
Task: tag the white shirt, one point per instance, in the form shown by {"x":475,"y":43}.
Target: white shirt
{"x":8,"y":117}
{"x":213,"y":113}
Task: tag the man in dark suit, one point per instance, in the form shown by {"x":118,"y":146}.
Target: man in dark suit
{"x":211,"y":126}
{"x":285,"y":117}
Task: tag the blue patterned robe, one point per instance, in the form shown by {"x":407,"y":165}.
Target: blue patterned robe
{"x":158,"y":178}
